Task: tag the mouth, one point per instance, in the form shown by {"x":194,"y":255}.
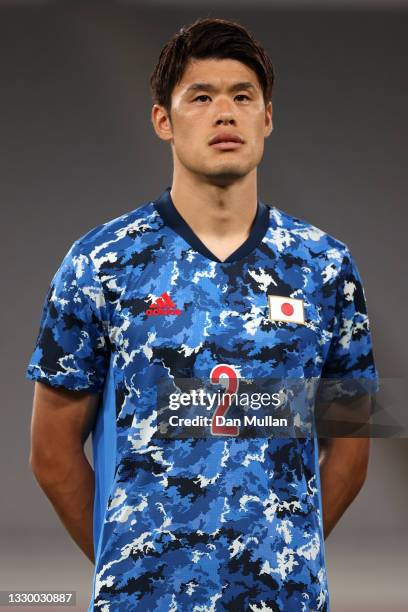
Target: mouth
{"x":226,"y":142}
{"x":227,"y":145}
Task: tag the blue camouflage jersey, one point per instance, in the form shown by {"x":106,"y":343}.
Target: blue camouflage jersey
{"x":221,"y":522}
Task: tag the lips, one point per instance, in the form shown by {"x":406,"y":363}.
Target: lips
{"x":226,"y":138}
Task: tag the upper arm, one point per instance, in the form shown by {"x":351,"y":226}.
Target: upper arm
{"x":69,"y":362}
{"x":61,"y":422}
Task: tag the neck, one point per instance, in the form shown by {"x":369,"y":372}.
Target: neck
{"x":216,"y":212}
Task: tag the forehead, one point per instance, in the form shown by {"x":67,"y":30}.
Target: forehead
{"x":218,"y":72}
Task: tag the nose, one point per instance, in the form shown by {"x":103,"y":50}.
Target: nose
{"x":224,"y":113}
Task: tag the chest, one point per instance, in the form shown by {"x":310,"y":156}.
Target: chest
{"x":187,"y":318}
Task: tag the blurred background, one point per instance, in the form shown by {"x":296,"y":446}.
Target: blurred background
{"x":78,"y":149}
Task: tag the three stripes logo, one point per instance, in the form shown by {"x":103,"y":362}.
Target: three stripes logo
{"x":164,"y":305}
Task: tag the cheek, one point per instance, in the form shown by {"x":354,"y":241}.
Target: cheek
{"x":188,"y":144}
{"x":187,"y":132}
{"x":256,"y":140}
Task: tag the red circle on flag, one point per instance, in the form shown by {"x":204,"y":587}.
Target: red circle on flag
{"x":287,"y":309}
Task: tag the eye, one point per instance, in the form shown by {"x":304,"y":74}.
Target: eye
{"x":242,"y":96}
{"x":201,"y":96}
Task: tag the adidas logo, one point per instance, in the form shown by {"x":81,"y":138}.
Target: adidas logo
{"x":164,"y":305}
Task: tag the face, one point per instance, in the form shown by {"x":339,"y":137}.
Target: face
{"x":216,"y":98}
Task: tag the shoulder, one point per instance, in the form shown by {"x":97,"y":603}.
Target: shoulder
{"x":107,"y":243}
{"x":300,"y":237}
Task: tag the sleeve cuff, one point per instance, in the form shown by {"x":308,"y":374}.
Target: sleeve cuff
{"x":63,"y":380}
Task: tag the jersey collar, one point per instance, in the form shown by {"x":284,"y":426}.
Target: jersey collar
{"x":171,"y":217}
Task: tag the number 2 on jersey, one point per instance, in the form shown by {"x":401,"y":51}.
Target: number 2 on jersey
{"x":223,"y":370}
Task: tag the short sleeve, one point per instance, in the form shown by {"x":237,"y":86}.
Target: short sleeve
{"x":72,"y":346}
{"x":350,"y":356}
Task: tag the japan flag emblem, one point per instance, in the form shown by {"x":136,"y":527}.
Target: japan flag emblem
{"x":289,"y":310}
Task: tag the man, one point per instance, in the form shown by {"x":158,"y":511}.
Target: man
{"x":208,"y":282}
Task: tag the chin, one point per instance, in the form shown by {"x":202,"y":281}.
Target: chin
{"x":228,"y":171}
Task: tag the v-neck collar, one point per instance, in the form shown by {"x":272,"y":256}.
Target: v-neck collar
{"x":171,"y":217}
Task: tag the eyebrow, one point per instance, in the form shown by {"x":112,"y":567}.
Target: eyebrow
{"x":208,"y":87}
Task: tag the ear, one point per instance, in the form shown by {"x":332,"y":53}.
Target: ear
{"x":161,"y":122}
{"x":268,"y":119}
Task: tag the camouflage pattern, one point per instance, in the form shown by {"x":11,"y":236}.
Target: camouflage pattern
{"x":201,"y":524}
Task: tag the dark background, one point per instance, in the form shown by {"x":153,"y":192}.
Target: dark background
{"x":77,"y":149}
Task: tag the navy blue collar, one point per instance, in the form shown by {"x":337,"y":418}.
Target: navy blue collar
{"x":171,"y":217}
